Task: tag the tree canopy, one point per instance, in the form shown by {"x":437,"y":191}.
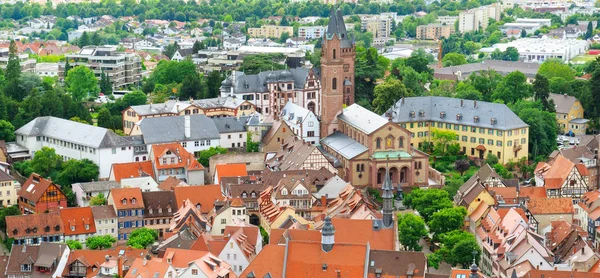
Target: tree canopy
{"x":411,"y":229}
{"x":142,"y":237}
{"x":100,"y":242}
{"x":82,"y":83}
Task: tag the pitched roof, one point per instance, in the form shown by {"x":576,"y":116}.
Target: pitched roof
{"x":184,"y":158}
{"x":75,"y":221}
{"x":292,"y":155}
{"x":205,"y":195}
{"x":392,"y":263}
{"x":143,"y":268}
{"x":34,"y":187}
{"x":501,"y":67}
{"x":273,"y":130}
{"x":170,"y":183}
{"x":362,"y":119}
{"x":230,"y":124}
{"x":103,"y":212}
{"x":5,"y":176}
{"x":306,"y":259}
{"x":96,"y":186}
{"x":155,"y":200}
{"x":172,"y":129}
{"x":550,"y":206}
{"x":21,"y":254}
{"x":29,"y":225}
{"x":256,"y":83}
{"x":180,"y":258}
{"x":344,"y":145}
{"x":558,"y":172}
{"x":231,"y":170}
{"x":72,"y":132}
{"x":127,"y":198}
{"x":536,"y":273}
{"x":269,"y":261}
{"x":132,"y":170}
{"x":563,"y":103}
{"x":436,"y":107}
{"x":533,"y":192}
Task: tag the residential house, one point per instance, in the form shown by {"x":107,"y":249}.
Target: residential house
{"x":273,"y":215}
{"x":255,"y":162}
{"x":44,"y":260}
{"x":242,"y":245}
{"x":229,"y":170}
{"x":148,"y":267}
{"x":588,"y":215}
{"x":159,"y":208}
{"x":297,"y":154}
{"x":303,"y":122}
{"x":248,"y":191}
{"x":33,"y":229}
{"x":146,"y":184}
{"x":569,"y":114}
{"x":119,"y":171}
{"x":194,"y":132}
{"x":39,"y":195}
{"x":101,"y":263}
{"x":86,"y":190}
{"x":174,"y":160}
{"x":170,"y":183}
{"x":482,"y":127}
{"x":232,"y":213}
{"x":129,"y":207}
{"x":567,"y":243}
{"x":546,"y":210}
{"x":106,"y":220}
{"x":365,"y":144}
{"x":293,"y":192}
{"x":272,"y":140}
{"x":79,"y":223}
{"x":584,"y":155}
{"x":182,"y":53}
{"x":562,"y":178}
{"x":202,"y":197}
{"x":9,"y":187}
{"x":270,"y":31}
{"x":73,"y":140}
{"x":232,"y":131}
{"x":209,"y":266}
{"x":188,"y":219}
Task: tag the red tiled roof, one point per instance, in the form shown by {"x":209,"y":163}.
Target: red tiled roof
{"x":558,"y":172}
{"x":533,"y":192}
{"x":205,"y":195}
{"x":269,"y":260}
{"x":536,"y":273}
{"x":37,"y":224}
{"x":306,"y":259}
{"x":551,"y":206}
{"x":35,"y":187}
{"x":582,"y":169}
{"x":184,"y":160}
{"x":75,"y":221}
{"x":132,"y":170}
{"x":180,"y":258}
{"x":231,"y":170}
{"x":127,"y":198}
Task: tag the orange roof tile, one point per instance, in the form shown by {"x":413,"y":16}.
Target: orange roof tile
{"x":558,"y":172}
{"x":184,"y":160}
{"x":132,"y":170}
{"x":551,"y":206}
{"x":205,"y":195}
{"x":536,"y":273}
{"x":180,"y":258}
{"x":35,"y":186}
{"x":533,"y":192}
{"x":127,"y":198}
{"x":582,"y":169}
{"x":231,"y":170}
{"x":142,"y":268}
{"x":305,"y":259}
{"x":269,"y":260}
{"x":509,"y":194}
{"x":76,"y":220}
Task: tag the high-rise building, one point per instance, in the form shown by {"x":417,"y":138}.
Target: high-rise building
{"x":270,"y":31}
{"x":478,"y":18}
{"x":337,"y":72}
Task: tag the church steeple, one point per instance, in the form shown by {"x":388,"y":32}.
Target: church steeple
{"x":327,"y":239}
{"x":388,"y":196}
{"x":336,"y":25}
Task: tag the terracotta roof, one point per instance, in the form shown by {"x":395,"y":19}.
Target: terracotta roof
{"x":21,"y":254}
{"x":78,"y":221}
{"x":237,"y":202}
{"x":132,"y":170}
{"x":231,"y":170}
{"x":268,"y":261}
{"x":394,"y":264}
{"x":582,"y":169}
{"x":34,"y":225}
{"x":508,"y":194}
{"x":535,"y":273}
{"x":34,"y":188}
{"x":306,"y":259}
{"x":558,"y":172}
{"x":250,"y":231}
{"x":180,"y":258}
{"x":533,"y":192}
{"x":184,"y":158}
{"x":103,"y":212}
{"x":170,"y":183}
{"x":550,"y":206}
{"x":142,"y":268}
{"x":127,"y":198}
{"x":205,"y":195}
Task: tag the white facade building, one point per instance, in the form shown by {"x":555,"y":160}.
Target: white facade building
{"x":302,"y":121}
{"x":541,"y":49}
{"x":311,"y":32}
{"x":232,"y":131}
{"x":474,"y":19}
{"x":106,"y":220}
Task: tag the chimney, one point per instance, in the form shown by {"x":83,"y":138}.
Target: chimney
{"x":120,"y":266}
{"x":323,"y":200}
{"x":474,"y":104}
{"x":188,"y":132}
{"x":462,"y":103}
{"x":145,"y":262}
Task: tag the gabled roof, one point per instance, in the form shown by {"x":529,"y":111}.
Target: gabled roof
{"x":308,"y":258}
{"x":132,"y":170}
{"x":160,"y":202}
{"x":184,"y":158}
{"x":35,"y":187}
{"x":563,"y":103}
{"x":97,"y":186}
{"x":30,"y":225}
{"x":392,"y":263}
{"x":230,"y":124}
{"x":550,"y":206}
{"x":344,"y":145}
{"x":170,"y":183}
{"x":558,"y":172}
{"x":77,"y":221}
{"x":269,"y":261}
{"x":273,"y":130}
{"x":172,"y":129}
{"x":231,"y":170}
{"x":362,"y":119}
{"x":294,"y":113}
{"x":143,"y":268}
{"x":127,"y":198}
{"x":292,"y":155}
{"x":205,"y":195}
{"x":181,"y":258}
{"x":103,"y":212}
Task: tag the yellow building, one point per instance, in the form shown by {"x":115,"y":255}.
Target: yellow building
{"x":569,"y":114}
{"x":481,"y":127}
{"x":214,"y":107}
{"x":270,"y":31}
{"x":434,"y":31}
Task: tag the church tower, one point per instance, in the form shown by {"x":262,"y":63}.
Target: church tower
{"x":388,"y":197}
{"x":337,"y":72}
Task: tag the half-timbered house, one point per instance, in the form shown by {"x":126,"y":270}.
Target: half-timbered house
{"x":562,"y":178}
{"x":39,"y":195}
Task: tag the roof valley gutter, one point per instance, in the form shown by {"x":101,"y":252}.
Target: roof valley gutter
{"x":285,"y":255}
{"x":368,"y":252}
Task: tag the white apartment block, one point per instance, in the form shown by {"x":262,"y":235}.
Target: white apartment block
{"x":541,"y":49}
{"x":379,"y":26}
{"x":478,"y":18}
{"x":311,"y":32}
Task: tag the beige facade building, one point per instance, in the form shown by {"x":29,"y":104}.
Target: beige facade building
{"x":8,"y":189}
{"x":27,"y":65}
{"x":270,"y":31}
{"x":478,"y":18}
{"x":123,"y":69}
{"x":434,"y":31}
{"x":379,"y":26}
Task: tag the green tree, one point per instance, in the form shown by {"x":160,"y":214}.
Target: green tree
{"x":512,"y":88}
{"x":543,"y":128}
{"x":104,"y":119}
{"x":556,"y":68}
{"x":100,"y":242}
{"x":491,"y":159}
{"x":74,"y":171}
{"x":98,"y":200}
{"x":485,"y":82}
{"x":411,"y":229}
{"x":191,"y":87}
{"x":171,"y":49}
{"x":447,"y":220}
{"x":135,"y":98}
{"x":251,"y":147}
{"x":253,"y":64}
{"x":8,"y":211}
{"x":590,"y":31}
{"x":442,"y":139}
{"x":142,"y":237}
{"x":198,"y":45}
{"x":52,"y":104}
{"x":167,"y":72}
{"x":510,"y":54}
{"x":205,"y":155}
{"x":284,"y":36}
{"x":466,"y":90}
{"x":462,"y":165}
{"x":595,"y":90}
{"x":74,"y":245}
{"x":387,"y":93}
{"x":284,"y":21}
{"x":46,"y":161}
{"x":213,"y":84}
{"x":419,"y":61}
{"x":82,"y":83}
{"x":453,"y":59}
{"x":7,"y":131}
{"x":84,"y":40}
{"x":458,"y":247}
{"x":67,"y":67}
{"x":523,"y":33}
{"x":105,"y":84}
{"x":541,"y":90}
{"x":428,"y":201}
{"x":13,"y":67}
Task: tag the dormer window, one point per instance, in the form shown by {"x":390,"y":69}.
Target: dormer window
{"x":72,"y":228}
{"x":421,"y":113}
{"x":133,"y":201}
{"x":169,"y":209}
{"x":47,"y":229}
{"x":476,"y":119}
{"x":459,"y":117}
{"x":284,"y":192}
{"x":412,"y":114}
{"x":57,"y":228}
{"x":244,"y":195}
{"x":442,"y":115}
{"x":494,"y":121}
{"x":87,"y":226}
{"x":124,"y":202}
{"x":159,"y":210}
{"x":253,"y":194}
{"x":15,"y":231}
{"x":150,"y":210}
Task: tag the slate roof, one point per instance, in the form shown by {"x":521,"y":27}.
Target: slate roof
{"x":294,"y":113}
{"x":97,"y":186}
{"x":172,"y":129}
{"x":169,"y":107}
{"x":73,"y":132}
{"x":563,"y":103}
{"x":230,"y":124}
{"x":337,"y":27}
{"x":344,"y":145}
{"x":362,"y":119}
{"x":501,"y":67}
{"x":5,"y":177}
{"x":219,"y":102}
{"x":437,"y":107}
{"x":256,"y":83}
